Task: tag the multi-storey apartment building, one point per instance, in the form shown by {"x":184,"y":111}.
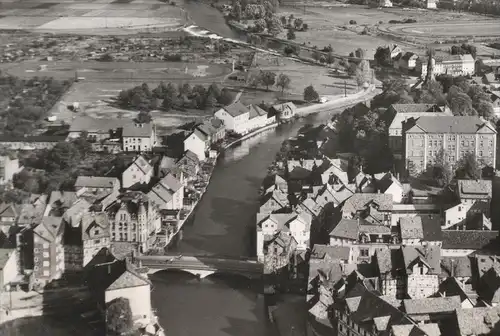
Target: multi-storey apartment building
{"x":455,"y":65}
{"x":48,"y":250}
{"x":456,"y":136}
{"x":134,"y":219}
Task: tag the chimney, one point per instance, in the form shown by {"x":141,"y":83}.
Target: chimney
{"x":109,"y":269}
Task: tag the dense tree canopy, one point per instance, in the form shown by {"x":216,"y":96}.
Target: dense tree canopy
{"x":118,"y":316}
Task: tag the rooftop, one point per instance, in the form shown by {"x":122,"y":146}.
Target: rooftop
{"x":469,"y":239}
{"x":96,"y":182}
{"x":346,"y":229}
{"x":358,"y":202}
{"x":432,"y":305}
{"x":5,"y":254}
{"x":135,"y":130}
{"x":478,"y":321}
{"x":451,"y":124}
{"x":474,"y":188}
{"x":330,"y":252}
{"x":415,"y":108}
{"x":424,"y":228}
{"x":235,"y":109}
{"x":96,"y":125}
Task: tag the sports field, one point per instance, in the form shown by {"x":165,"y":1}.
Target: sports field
{"x":98,"y":16}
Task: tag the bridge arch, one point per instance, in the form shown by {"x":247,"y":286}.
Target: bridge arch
{"x":202,"y":274}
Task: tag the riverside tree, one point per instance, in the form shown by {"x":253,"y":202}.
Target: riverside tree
{"x":283,"y":82}
{"x":310,"y":94}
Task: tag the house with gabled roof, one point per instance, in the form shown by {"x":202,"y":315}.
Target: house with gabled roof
{"x":9,"y":214}
{"x":214,"y":129}
{"x":97,"y":183}
{"x":109,"y":278}
{"x":274,"y":182}
{"x":409,"y":271}
{"x":407,"y":62}
{"x":139,"y":137}
{"x":48,"y":250}
{"x":140,"y":171}
{"x":258,"y":117}
{"x":284,"y":111}
{"x":420,"y":230}
{"x":274,"y":201}
{"x":189,"y":164}
{"x":235,"y":116}
{"x":476,"y":321}
{"x":167,"y":194}
{"x":376,"y":206}
{"x":465,"y":242}
{"x":451,"y":287}
{"x":297,"y":225}
{"x":433,"y":309}
{"x":197,"y":142}
{"x":279,"y":251}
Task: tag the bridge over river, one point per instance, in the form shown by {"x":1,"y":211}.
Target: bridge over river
{"x":202,"y":265}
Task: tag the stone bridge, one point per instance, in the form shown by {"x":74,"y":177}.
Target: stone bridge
{"x":202,"y":266}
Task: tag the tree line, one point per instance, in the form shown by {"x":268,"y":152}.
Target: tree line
{"x":171,"y":96}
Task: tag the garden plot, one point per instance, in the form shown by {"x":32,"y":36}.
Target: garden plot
{"x":75,"y":23}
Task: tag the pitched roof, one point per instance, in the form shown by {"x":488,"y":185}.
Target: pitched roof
{"x":320,"y":251}
{"x":283,"y":220}
{"x":452,"y":287}
{"x":432,"y":305}
{"x":95,"y":226}
{"x":142,"y":164}
{"x":408,"y":55}
{"x":456,"y":266}
{"x":96,"y":125}
{"x":346,"y":228}
{"x":415,"y":108}
{"x":144,"y":130}
{"x":235,"y":109}
{"x":474,"y":188}
{"x":163,"y":191}
{"x":96,"y":182}
{"x":360,"y":201}
{"x":129,"y":278}
{"x":5,"y":254}
{"x":211,"y":126}
{"x":477,"y":321}
{"x":429,"y":255}
{"x":284,"y":106}
{"x":421,"y":227}
{"x":450,"y":124}
{"x":469,"y":239}
{"x":8,"y":210}
{"x":256,"y":111}
{"x":50,"y":228}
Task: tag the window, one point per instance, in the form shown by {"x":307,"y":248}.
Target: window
{"x":480,"y":153}
{"x":36,"y":250}
{"x":46,"y":263}
{"x":46,"y":273}
{"x":97,"y":241}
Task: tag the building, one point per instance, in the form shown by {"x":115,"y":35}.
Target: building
{"x":452,"y":287}
{"x":390,"y":185}
{"x":456,"y":136}
{"x":109,"y":278}
{"x":189,"y":165}
{"x":97,"y":184}
{"x":274,"y":201}
{"x":400,"y":211}
{"x":134,"y":219}
{"x":284,"y":111}
{"x":460,"y":243}
{"x":385,"y":3}
{"x":407,"y":62}
{"x":363,"y":311}
{"x":196,"y":142}
{"x":214,"y":129}
{"x":8,"y":167}
{"x":8,"y":218}
{"x":495,"y":101}
{"x":9,"y":267}
{"x":96,"y":129}
{"x":84,"y":238}
{"x":431,"y":4}
{"x":139,"y":172}
{"x":279,"y":254}
{"x":491,"y":80}
{"x":404,"y":113}
{"x":455,"y":65}
{"x":409,"y":271}
{"x":476,"y":321}
{"x":139,"y":137}
{"x":372,"y":207}
{"x":434,"y":309}
{"x":395,"y":51}
{"x":296,"y":225}
{"x":167,"y":194}
{"x":258,"y":118}
{"x":235,"y":116}
{"x":48,"y":250}
{"x":420,"y":230}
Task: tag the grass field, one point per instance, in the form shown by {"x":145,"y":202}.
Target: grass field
{"x":329,"y":24}
{"x":97,"y":15}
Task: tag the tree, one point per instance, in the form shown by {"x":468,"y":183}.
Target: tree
{"x":330,"y":58}
{"x":259,"y":25}
{"x":185,"y":89}
{"x":160,"y":91}
{"x":214,"y":90}
{"x":118,"y":316}
{"x":460,"y":102}
{"x":298,"y":23}
{"x":383,"y":56}
{"x":440,"y":170}
{"x":267,"y":78}
{"x":226,"y":97}
{"x":310,"y":94}
{"x":62,"y":156}
{"x":274,"y":26}
{"x":283,"y":82}
{"x":360,"y":77}
{"x":283,"y":21}
{"x":210,"y":101}
{"x":468,"y":167}
{"x":236,"y":11}
{"x":430,"y":65}
{"x":316,"y":55}
{"x":168,"y":103}
{"x":352,"y":69}
{"x":144,"y":117}
{"x":305,"y":26}
{"x":485,"y":110}
{"x":254,"y":81}
{"x":290,"y":35}
{"x":360,"y":53}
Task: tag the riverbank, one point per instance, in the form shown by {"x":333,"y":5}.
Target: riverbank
{"x":251,"y":134}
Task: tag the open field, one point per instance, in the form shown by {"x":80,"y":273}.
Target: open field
{"x":100,"y":16}
{"x":303,"y":75}
{"x":329,"y":24}
{"x":119,"y":71}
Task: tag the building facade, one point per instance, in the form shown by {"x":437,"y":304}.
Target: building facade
{"x":48,"y":250}
{"x":235,"y":116}
{"x":139,"y":137}
{"x":139,"y":172}
{"x":455,"y":136}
